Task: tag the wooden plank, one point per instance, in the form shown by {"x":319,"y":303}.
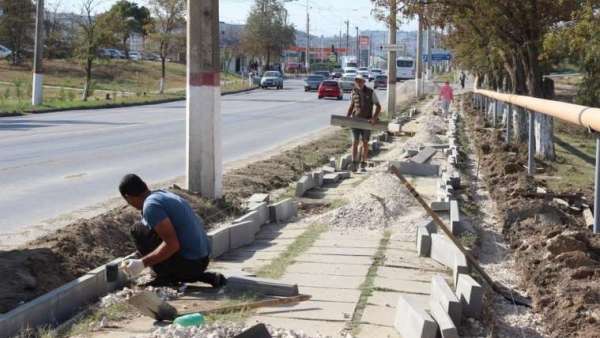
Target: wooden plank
{"x":358,"y":123}
{"x":424,"y":155}
{"x":262,"y":286}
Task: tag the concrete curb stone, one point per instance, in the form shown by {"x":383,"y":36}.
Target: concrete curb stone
{"x":443,"y":295}
{"x":446,"y":325}
{"x":411,"y":321}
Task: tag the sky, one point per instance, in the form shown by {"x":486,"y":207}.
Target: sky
{"x":327,"y":16}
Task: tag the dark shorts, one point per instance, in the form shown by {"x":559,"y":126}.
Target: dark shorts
{"x":357,"y":134}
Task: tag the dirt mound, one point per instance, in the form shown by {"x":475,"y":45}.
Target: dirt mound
{"x":56,"y":259}
{"x":558,"y":259}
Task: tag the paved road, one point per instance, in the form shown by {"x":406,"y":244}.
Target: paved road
{"x":57,"y":163}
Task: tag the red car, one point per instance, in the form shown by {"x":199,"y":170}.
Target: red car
{"x":329,"y":88}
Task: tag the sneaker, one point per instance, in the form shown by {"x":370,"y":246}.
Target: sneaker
{"x":363,"y":166}
{"x":354,"y":167}
{"x":220,"y":281}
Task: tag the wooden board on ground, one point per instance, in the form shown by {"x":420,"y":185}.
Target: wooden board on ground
{"x":355,"y":122}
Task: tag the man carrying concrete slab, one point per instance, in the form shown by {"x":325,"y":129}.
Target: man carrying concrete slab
{"x":361,"y":105}
{"x":171,"y":238}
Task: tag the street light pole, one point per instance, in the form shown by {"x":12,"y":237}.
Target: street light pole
{"x":357,"y":47}
{"x":37,"y":93}
{"x":307,"y":59}
{"x":347,"y":37}
{"x":419,"y":61}
{"x":203,"y":117}
{"x":391,"y":88}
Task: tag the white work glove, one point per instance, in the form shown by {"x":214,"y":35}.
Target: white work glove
{"x":132,"y":267}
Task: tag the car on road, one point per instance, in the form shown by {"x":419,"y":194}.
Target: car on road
{"x":324,"y":73}
{"x":4,"y":52}
{"x":347,"y":83}
{"x":337,"y":73}
{"x":330,"y":88}
{"x":272,"y":78}
{"x":136,"y":56}
{"x":350,"y":72}
{"x":380,"y":82}
{"x":313,"y":82}
{"x":364,"y":71}
{"x":374,"y":72}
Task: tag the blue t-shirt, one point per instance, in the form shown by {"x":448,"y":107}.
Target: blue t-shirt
{"x":189,"y":227}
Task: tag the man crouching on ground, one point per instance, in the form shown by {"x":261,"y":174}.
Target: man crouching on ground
{"x":361,"y":105}
{"x":171,"y":238}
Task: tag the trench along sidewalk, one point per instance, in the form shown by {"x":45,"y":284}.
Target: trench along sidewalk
{"x":354,"y":276}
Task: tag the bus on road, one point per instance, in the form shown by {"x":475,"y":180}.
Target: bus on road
{"x":405,"y":68}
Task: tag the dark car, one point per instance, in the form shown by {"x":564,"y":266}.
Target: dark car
{"x":312,"y":82}
{"x":323,"y":73}
{"x":330,"y":88}
{"x":380,"y":82}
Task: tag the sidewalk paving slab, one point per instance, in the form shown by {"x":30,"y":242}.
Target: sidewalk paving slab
{"x":309,"y":327}
{"x":342,"y":251}
{"x":326,"y":294}
{"x":334,"y":259}
{"x":379,"y":315}
{"x":280,"y":234}
{"x":315,"y":280}
{"x":395,"y":259}
{"x":326,"y":269}
{"x":405,"y":274}
{"x":405,"y":286}
{"x":390,"y":299}
{"x":349,"y":243}
{"x":401,"y":245}
{"x":372,"y":331}
{"x":313,"y":310}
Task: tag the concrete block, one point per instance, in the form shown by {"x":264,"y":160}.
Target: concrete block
{"x":443,"y":295}
{"x":344,"y":175}
{"x":331,"y":178}
{"x":304,"y":183}
{"x":263,"y":286}
{"x":283,"y":210}
{"x":242,"y":234}
{"x":332,"y":162}
{"x":446,"y":253}
{"x":262,"y":212}
{"x":345,"y":161}
{"x":424,"y":155}
{"x":588,"y":217}
{"x":455,"y":226}
{"x":328,"y":169}
{"x":440,"y":206}
{"x":423,"y":241}
{"x":416,"y":169}
{"x":394,"y":127}
{"x":411,"y":152}
{"x":461,"y":265}
{"x":470,"y":294}
{"x":446,"y":326}
{"x":318,"y":178}
{"x":219,"y":240}
{"x":411,"y":321}
{"x":251,"y":217}
{"x":259,"y":198}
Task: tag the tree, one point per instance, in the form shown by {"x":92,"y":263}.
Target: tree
{"x":267,"y":33}
{"x":59,"y":37}
{"x":126,"y":18}
{"x":578,"y":40}
{"x":91,"y":36}
{"x":16,"y":26}
{"x":168,"y":27}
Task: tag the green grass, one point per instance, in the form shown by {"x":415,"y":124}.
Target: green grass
{"x":276,"y":268}
{"x":236,"y":316}
{"x":572,"y":165}
{"x":368,"y":285}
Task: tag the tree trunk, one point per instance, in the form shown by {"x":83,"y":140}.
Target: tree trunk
{"x":126,"y":48}
{"x":544,"y":125}
{"x":163,"y":72}
{"x":88,"y":79}
{"x":514,"y":67}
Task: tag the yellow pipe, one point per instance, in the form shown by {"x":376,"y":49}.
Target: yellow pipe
{"x":587,"y":117}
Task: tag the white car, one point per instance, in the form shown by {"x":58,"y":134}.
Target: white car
{"x":136,"y":56}
{"x":4,"y":52}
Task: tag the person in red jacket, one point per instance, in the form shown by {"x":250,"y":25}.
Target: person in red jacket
{"x":446,"y":97}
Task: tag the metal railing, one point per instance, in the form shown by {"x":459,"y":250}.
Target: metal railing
{"x":587,"y":117}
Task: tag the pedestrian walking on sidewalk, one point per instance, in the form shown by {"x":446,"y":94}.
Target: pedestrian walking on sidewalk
{"x":171,"y":239}
{"x":446,"y":97}
{"x":362,"y":101}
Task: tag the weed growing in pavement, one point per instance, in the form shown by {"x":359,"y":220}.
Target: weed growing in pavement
{"x":235,"y":316}
{"x":367,"y":287}
{"x":276,"y":268}
{"x":82,"y":327}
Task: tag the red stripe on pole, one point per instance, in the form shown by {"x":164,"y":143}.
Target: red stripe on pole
{"x":205,"y":79}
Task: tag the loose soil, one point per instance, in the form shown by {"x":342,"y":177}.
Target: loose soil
{"x":58,"y":258}
{"x":557,"y":258}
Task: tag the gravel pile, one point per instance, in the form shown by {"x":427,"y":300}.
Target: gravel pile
{"x":121,"y":296}
{"x":221,"y":331}
{"x":374,"y":204}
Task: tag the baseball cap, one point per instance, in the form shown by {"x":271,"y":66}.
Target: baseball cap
{"x":359,"y":77}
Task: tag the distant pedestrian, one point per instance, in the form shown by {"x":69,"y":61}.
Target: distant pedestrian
{"x":361,"y":105}
{"x":463,"y":78}
{"x":446,"y":97}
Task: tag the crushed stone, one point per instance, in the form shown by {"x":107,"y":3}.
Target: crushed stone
{"x":223,"y":331}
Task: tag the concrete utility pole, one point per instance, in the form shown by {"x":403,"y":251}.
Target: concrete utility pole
{"x":429,"y":60}
{"x":37,"y":92}
{"x":391,"y":87}
{"x":307,"y":63}
{"x":347,"y":37}
{"x":357,"y":47}
{"x":204,"y":168}
{"x":419,"y":60}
